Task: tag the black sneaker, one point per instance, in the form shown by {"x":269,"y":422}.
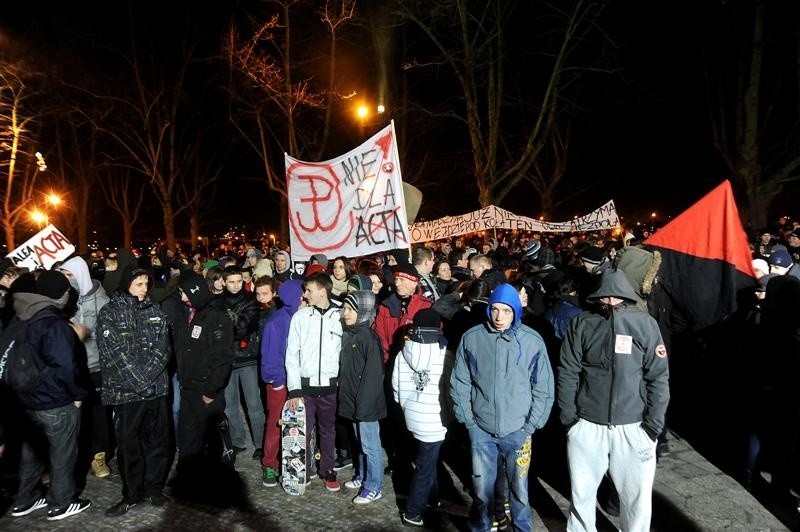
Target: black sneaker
{"x":75,"y":507}
{"x":19,"y":511}
{"x":342,"y":462}
{"x":158,"y":500}
{"x":121,"y":508}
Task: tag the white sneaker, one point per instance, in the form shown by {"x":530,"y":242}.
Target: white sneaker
{"x":353,"y":484}
{"x":366,"y":496}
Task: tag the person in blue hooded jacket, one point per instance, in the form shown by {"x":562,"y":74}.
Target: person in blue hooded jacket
{"x":502,"y":390}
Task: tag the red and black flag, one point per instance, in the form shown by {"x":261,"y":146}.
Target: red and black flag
{"x":706,"y":258}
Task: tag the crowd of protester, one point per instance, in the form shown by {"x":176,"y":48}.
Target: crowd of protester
{"x":393,"y":353}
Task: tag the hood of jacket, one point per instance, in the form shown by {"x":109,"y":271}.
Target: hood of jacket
{"x":614,"y":283}
{"x":80,"y":271}
{"x":288,"y":261}
{"x":290,"y":293}
{"x":640,"y":266}
{"x":363,"y":301}
{"x":507,"y":294}
{"x":418,"y":355}
{"x":26,"y":305}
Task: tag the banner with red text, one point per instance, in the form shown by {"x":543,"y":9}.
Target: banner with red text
{"x":493,"y":217}
{"x":352,"y":205}
{"x":42,"y":250}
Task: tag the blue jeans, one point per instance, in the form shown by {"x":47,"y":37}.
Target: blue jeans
{"x":370,"y":459}
{"x":516,"y":449}
{"x":248,"y":377}
{"x":424,"y":481}
{"x":54,"y":433}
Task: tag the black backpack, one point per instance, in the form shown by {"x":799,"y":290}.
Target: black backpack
{"x":17,"y":366}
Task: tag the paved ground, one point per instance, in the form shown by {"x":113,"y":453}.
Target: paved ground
{"x":690,"y":495}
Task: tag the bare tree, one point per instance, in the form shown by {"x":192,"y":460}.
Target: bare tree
{"x":471,"y":39}
{"x":20,"y":165}
{"x":272,"y":89}
{"x":124,"y":192}
{"x":758,"y":145}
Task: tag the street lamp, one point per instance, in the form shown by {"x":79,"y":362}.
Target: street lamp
{"x":38,"y":217}
{"x":54,"y":199}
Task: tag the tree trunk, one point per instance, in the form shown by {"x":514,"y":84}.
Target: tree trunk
{"x":284,"y":215}
{"x":194,"y":229}
{"x":83,"y":220}
{"x":127,"y":233}
{"x":169,"y":224}
{"x":9,"y":229}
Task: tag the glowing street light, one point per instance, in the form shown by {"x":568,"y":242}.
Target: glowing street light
{"x":362,"y":112}
{"x":38,"y":217}
{"x":54,"y":199}
{"x":381,"y":109}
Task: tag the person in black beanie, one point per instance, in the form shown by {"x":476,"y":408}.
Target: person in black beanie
{"x":204,"y":351}
{"x":52,"y":408}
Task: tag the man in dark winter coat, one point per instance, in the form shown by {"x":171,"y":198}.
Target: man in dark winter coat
{"x":613,"y":392}
{"x":244,"y":311}
{"x":203,"y":348}
{"x":133,"y":340}
{"x":53,"y":407}
{"x":361,"y":397}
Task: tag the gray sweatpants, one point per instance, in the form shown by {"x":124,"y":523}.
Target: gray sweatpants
{"x":628,"y":454}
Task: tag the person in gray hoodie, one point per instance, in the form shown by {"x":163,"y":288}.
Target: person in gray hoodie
{"x":502,"y":391}
{"x":91,"y":298}
{"x":613,"y":393}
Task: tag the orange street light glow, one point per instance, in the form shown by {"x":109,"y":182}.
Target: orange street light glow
{"x":362,"y":112}
{"x":54,"y":200}
{"x":38,"y":217}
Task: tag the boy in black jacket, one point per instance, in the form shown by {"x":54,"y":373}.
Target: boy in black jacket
{"x":361,"y":396}
{"x":203,"y":346}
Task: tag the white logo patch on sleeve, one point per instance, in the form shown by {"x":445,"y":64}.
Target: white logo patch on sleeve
{"x":661,"y":351}
{"x":196,"y":330}
{"x":623,"y":344}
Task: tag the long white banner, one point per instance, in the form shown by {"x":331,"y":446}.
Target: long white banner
{"x":493,"y":217}
{"x":352,"y":205}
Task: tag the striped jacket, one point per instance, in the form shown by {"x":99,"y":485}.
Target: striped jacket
{"x":420,"y":385}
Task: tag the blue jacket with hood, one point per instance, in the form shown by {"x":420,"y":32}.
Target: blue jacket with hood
{"x":276,"y":332}
{"x":502,"y":381}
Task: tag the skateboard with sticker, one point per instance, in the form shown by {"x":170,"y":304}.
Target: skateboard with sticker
{"x":293,"y":448}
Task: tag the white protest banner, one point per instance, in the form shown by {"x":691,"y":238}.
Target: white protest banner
{"x":42,"y":250}
{"x":352,"y":205}
{"x":493,"y":217}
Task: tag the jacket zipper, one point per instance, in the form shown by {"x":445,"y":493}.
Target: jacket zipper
{"x":613,"y":363}
{"x":319,"y":369}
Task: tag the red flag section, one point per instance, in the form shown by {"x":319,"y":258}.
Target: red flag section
{"x":706,"y":258}
{"x":709,"y":229}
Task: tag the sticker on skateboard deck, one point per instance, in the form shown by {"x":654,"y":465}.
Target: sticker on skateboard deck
{"x":293,"y":448}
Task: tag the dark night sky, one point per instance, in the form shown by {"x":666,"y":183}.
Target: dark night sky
{"x":643,"y":134}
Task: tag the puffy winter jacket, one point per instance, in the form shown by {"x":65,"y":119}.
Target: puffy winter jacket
{"x":53,"y":343}
{"x":243,"y":310}
{"x":391,"y":325}
{"x":133,"y":340}
{"x":420,"y":384}
{"x":361,"y":396}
